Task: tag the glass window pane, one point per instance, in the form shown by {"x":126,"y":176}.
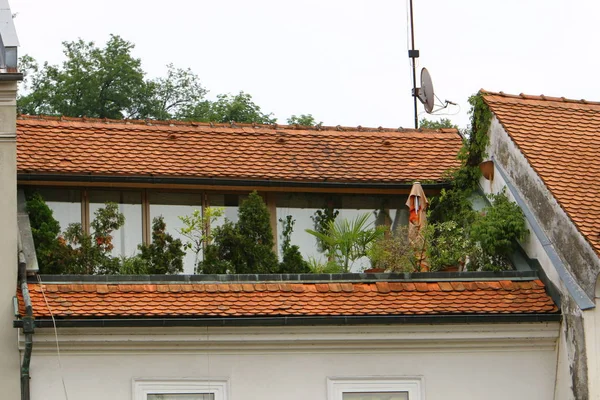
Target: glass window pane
{"x":172,"y":206}
{"x":376,"y":396}
{"x":199,"y":396}
{"x":302,"y":207}
{"x":230,"y":202}
{"x":382,"y":210}
{"x":64,"y":203}
{"x":126,"y":239}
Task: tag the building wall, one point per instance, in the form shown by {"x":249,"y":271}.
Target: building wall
{"x":9,"y":361}
{"x":578,"y":256}
{"x":492,"y":362}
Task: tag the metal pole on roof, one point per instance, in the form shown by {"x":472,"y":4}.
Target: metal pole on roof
{"x":413,"y":54}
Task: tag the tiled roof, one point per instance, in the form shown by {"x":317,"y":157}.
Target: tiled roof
{"x":289,"y":299}
{"x":76,"y":146}
{"x":561,"y":140}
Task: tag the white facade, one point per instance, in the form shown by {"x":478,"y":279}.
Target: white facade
{"x":470,"y":361}
{"x":9,"y":361}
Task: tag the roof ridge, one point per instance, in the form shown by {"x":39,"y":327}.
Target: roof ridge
{"x":541,"y":97}
{"x":233,"y":124}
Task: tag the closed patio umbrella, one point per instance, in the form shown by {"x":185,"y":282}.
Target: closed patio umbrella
{"x":417,"y":205}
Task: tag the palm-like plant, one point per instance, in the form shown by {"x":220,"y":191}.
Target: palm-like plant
{"x":347,"y":241}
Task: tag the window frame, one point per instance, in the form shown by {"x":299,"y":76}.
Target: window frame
{"x":142,"y":387}
{"x":414,"y":385}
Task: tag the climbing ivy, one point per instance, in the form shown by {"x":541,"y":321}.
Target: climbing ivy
{"x":492,"y":234}
{"x":454,"y":204}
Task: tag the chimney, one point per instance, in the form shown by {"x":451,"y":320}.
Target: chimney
{"x":8,"y":41}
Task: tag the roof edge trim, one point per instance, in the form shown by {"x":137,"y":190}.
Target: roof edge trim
{"x":293,"y":321}
{"x":218,"y":182}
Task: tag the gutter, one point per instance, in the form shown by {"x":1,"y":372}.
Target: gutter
{"x":153,"y":180}
{"x":28,"y":325}
{"x":294,"y":321}
{"x":575,"y":291}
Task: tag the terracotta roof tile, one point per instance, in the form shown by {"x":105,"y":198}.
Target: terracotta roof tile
{"x":352,"y":299}
{"x":179,"y":149}
{"x":561,"y":140}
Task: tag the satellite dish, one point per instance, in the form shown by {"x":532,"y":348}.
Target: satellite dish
{"x":425,"y":92}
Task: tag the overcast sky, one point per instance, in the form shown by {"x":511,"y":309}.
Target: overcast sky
{"x":344,"y":61}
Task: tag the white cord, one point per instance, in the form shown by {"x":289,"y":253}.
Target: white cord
{"x":62,"y":377}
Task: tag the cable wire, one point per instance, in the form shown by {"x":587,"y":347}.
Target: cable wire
{"x":62,"y":377}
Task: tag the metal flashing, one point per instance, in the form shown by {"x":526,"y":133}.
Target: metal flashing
{"x":576,"y":292}
{"x":304,"y":278}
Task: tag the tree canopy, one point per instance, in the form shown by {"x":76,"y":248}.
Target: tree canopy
{"x":109,"y":82}
{"x":442,"y":123}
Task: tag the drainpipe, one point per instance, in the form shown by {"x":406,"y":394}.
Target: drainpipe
{"x":28,"y":326}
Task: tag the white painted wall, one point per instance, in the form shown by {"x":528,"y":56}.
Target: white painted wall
{"x":9,"y":359}
{"x":495,"y":361}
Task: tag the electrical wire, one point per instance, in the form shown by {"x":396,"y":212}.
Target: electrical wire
{"x":62,"y":377}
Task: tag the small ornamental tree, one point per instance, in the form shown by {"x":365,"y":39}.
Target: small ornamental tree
{"x":245,"y":247}
{"x":292,"y":261}
{"x":91,"y":253}
{"x":164,"y":255}
{"x":196,"y":229}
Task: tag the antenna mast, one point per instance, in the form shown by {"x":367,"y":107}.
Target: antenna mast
{"x":413,"y":54}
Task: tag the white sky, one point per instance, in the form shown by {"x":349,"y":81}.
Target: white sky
{"x":344,"y":61}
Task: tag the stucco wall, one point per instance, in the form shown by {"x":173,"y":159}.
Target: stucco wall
{"x":9,"y":361}
{"x":504,"y":361}
{"x":576,"y":253}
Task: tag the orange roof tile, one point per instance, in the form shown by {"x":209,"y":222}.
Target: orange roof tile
{"x":276,"y":299}
{"x":52,"y":145}
{"x":561,"y":139}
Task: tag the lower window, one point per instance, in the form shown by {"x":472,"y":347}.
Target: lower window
{"x":375,"y":388}
{"x":177,"y":389}
{"x":199,"y":396}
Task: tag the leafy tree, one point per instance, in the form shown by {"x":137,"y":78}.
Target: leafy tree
{"x":171,"y":97}
{"x":302,"y":120}
{"x":228,"y":108}
{"x":441,"y":124}
{"x":164,"y":255}
{"x":93,"y":82}
{"x":245,"y":247}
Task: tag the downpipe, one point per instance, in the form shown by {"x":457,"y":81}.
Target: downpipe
{"x":28,"y":329}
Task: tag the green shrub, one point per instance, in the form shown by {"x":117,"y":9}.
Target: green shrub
{"x":292,"y":261}
{"x":496,"y":232}
{"x":45,"y":230}
{"x":393,"y":252}
{"x":164,"y":255}
{"x":245,"y":247}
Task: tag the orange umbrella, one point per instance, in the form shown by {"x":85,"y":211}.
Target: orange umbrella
{"x":417,"y":204}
